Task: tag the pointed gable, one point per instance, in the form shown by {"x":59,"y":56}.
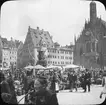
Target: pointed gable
{"x":37,"y":35}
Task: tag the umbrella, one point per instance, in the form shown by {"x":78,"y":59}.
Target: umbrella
{"x":71,"y":66}
{"x":5,"y":68}
{"x":16,"y":81}
{"x":53,"y":66}
{"x":39,"y":67}
{"x":29,"y":67}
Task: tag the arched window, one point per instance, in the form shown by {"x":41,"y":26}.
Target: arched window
{"x":88,"y":47}
{"x":93,"y":46}
{"x":97,"y":47}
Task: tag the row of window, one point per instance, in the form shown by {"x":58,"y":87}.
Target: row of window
{"x":6,"y":64}
{"x":61,"y":57}
{"x":6,"y":53}
{"x":62,"y":62}
{"x":10,"y":58}
{"x":62,"y":52}
{"x":12,"y":52}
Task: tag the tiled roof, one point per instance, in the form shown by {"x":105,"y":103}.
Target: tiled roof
{"x":37,"y":35}
{"x":12,"y":44}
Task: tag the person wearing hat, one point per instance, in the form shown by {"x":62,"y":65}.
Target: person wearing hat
{"x":41,"y":95}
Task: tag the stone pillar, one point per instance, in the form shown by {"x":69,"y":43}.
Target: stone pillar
{"x":35,"y":59}
{"x":91,"y":46}
{"x":96,"y":45}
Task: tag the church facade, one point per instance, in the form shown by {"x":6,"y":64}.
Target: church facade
{"x":89,"y":49}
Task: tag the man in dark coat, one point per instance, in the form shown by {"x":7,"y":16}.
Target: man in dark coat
{"x":28,"y":85}
{"x":74,"y":78}
{"x":53,"y":81}
{"x":87,"y":80}
{"x":42,"y":96}
{"x":82,"y":79}
{"x":5,"y":89}
{"x":70,"y":78}
{"x":13,"y":99}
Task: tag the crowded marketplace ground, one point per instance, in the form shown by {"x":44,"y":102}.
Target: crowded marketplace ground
{"x":62,"y":85}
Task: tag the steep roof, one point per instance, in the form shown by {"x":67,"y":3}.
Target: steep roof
{"x":38,"y":34}
{"x":17,"y":42}
{"x":20,"y":47}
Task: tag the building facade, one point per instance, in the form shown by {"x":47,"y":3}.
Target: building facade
{"x":60,"y":56}
{"x":89,"y":49}
{"x":54,"y":53}
{"x":8,"y":53}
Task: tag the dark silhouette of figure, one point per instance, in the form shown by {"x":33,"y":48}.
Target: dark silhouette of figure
{"x":87,"y":80}
{"x":42,"y":96}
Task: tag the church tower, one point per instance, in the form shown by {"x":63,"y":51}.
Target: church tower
{"x":93,"y":12}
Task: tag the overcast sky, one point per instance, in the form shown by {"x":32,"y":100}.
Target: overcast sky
{"x":62,"y":18}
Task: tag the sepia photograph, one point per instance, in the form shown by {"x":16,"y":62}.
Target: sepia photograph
{"x":53,"y":52}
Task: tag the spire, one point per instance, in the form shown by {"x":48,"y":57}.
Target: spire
{"x":29,"y":28}
{"x":85,"y":23}
{"x":11,"y":39}
{"x":93,"y":12}
{"x":100,"y":17}
{"x":74,"y":39}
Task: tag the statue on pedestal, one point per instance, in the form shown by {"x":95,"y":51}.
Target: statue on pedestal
{"x":41,"y":53}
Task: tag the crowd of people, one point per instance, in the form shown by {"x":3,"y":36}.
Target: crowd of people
{"x":43,"y":86}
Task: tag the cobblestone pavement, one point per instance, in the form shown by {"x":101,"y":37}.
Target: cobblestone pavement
{"x":68,"y":98}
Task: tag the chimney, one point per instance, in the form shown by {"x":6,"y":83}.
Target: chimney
{"x":37,"y":28}
{"x":11,"y":38}
{"x":29,"y":28}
